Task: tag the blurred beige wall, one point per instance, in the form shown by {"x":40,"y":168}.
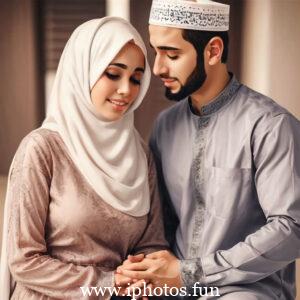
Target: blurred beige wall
{"x":270,"y":56}
{"x":285,"y":53}
{"x":21,"y":104}
{"x":270,"y":60}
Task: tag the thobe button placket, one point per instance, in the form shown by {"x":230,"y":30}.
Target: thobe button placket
{"x":201,"y":124}
{"x":198,"y":177}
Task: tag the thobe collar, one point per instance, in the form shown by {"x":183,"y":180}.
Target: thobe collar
{"x":219,"y":101}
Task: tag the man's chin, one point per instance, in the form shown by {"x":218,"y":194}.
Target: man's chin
{"x":185,"y":90}
{"x":174,"y":96}
{"x":174,"y":91}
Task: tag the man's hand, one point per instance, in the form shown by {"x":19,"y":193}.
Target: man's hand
{"x":159,"y":268}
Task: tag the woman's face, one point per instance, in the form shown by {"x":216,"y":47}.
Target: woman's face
{"x":119,"y":85}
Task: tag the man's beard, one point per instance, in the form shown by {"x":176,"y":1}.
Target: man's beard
{"x":193,"y":83}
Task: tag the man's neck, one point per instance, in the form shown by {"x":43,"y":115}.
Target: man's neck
{"x":214,"y":84}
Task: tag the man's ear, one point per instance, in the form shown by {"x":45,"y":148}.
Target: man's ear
{"x":214,"y":50}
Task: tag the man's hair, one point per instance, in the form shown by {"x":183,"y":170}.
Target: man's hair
{"x":199,"y":39}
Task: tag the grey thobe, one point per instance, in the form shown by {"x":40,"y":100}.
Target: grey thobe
{"x":232,"y":178}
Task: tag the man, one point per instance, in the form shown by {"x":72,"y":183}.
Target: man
{"x":228,"y":163}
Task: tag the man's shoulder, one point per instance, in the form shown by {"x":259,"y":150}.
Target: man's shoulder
{"x":166,"y":124}
{"x":261,"y":111}
{"x":257,"y":104}
{"x":172,"y":113}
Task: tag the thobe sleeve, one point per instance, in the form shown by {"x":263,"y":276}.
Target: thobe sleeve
{"x":276,"y":157}
{"x":29,"y":261}
{"x":153,"y":239}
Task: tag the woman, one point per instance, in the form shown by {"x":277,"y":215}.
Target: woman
{"x":81,"y":196}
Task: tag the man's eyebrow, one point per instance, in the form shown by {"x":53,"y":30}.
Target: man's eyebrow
{"x":165,"y":47}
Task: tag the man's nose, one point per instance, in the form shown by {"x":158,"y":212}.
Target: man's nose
{"x":159,"y":66}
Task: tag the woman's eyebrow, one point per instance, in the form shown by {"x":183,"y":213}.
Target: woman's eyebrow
{"x":119,"y":65}
{"x":123,"y":66}
{"x":139,"y":69}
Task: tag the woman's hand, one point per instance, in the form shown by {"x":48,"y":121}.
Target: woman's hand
{"x":127,"y":284}
{"x":160,"y":268}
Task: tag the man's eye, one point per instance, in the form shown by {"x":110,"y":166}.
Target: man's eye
{"x":173,"y":57}
{"x":112,"y":76}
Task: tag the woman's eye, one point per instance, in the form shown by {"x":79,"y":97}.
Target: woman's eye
{"x":135,"y":81}
{"x":173,"y":57}
{"x":112,"y":76}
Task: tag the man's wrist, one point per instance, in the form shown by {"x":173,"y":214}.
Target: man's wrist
{"x":191,"y":271}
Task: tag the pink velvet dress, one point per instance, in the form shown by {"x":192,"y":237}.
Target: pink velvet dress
{"x":62,"y":235}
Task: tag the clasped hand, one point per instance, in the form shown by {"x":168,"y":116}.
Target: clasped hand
{"x":158,"y":269}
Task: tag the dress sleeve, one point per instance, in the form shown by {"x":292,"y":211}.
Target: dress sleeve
{"x":29,"y":262}
{"x":153,"y":238}
{"x":275,"y":150}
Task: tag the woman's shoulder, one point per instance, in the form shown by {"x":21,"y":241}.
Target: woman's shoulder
{"x":39,"y":137}
{"x":38,"y":140}
{"x":35,"y":150}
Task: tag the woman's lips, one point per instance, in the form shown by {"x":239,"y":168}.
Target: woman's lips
{"x":117,"y":104}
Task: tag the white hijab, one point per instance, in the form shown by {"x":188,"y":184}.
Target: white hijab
{"x":108,"y":154}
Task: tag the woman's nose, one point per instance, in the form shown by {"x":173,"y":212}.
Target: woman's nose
{"x":124,"y":87}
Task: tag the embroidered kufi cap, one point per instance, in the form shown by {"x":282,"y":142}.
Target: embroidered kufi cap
{"x":190,"y":14}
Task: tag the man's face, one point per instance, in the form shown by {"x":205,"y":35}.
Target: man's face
{"x":175,"y":61}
